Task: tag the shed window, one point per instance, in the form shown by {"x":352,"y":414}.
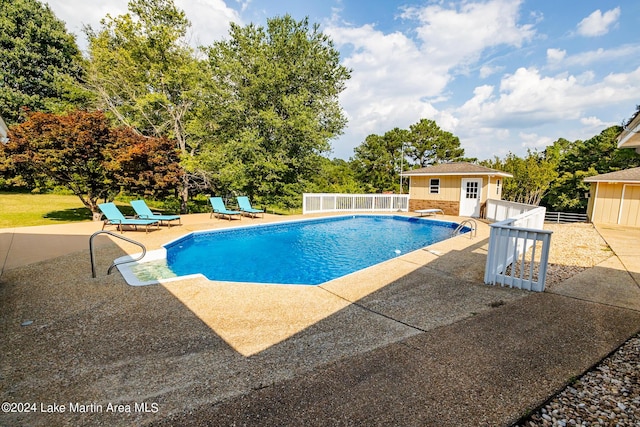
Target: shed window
{"x":434,"y":186}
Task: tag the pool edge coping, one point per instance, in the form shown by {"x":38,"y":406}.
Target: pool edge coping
{"x":126,"y":263}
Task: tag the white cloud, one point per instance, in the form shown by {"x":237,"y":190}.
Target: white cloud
{"x":598,"y":24}
{"x":599,"y":55}
{"x":555,"y":56}
{"x":487,"y":70}
{"x":525,"y":98}
{"x":528,"y":100}
{"x":454,"y":37}
{"x":593,"y":125}
{"x":533,"y":141}
{"x":209,"y":18}
{"x":78,"y":13}
{"x":390,"y":82}
{"x":244,"y":5}
{"x":396,"y":80}
{"x":586,"y":78}
{"x":592,"y":122}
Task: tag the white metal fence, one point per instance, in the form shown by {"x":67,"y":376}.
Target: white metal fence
{"x":565,"y":217}
{"x":335,"y":202}
{"x":509,"y":260}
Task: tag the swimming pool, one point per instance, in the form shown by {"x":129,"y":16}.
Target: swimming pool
{"x":306,"y":252}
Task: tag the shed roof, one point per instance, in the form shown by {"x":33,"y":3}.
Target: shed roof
{"x":457,"y":168}
{"x":627,"y":175}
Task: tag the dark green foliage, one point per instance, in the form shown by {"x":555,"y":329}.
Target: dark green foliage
{"x":335,"y":176}
{"x":379,"y":160}
{"x":148,"y":78}
{"x":532,"y":176}
{"x":581,"y":159}
{"x":431,"y":145}
{"x":275,"y":106}
{"x":40,"y":63}
{"x":555,"y":177}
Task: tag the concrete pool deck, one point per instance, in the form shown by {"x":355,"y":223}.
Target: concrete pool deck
{"x":414,"y":341}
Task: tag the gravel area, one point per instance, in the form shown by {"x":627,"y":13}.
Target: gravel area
{"x":608,"y":394}
{"x":574,"y":248}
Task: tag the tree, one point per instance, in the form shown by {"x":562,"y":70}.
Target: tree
{"x":378,"y":160}
{"x":532,"y":176}
{"x":431,"y":145}
{"x":146,"y":75}
{"x":144,"y":165}
{"x":81,"y":152}
{"x":581,"y":159}
{"x":335,"y":176}
{"x":40,"y":62}
{"x":275,"y":106}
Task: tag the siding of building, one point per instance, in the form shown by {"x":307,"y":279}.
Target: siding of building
{"x":451,"y":177}
{"x":448,"y":199}
{"x":631,"y":206}
{"x":615,"y":203}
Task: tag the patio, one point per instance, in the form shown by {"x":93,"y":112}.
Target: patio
{"x":418,"y":342}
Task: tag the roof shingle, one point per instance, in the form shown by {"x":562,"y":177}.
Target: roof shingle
{"x":458,"y":168}
{"x":626,"y":175}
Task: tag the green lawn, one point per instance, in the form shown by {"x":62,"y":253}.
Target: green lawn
{"x":22,"y":210}
{"x":25,"y":209}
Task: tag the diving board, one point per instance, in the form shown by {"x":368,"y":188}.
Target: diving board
{"x":424,"y":212}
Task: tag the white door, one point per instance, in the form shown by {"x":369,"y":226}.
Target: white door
{"x":470,"y":197}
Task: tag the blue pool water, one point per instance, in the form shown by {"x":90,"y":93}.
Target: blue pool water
{"x":306,"y":252}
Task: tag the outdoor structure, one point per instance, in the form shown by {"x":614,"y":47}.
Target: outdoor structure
{"x":457,"y":188}
{"x":615,"y":198}
{"x":630,"y":135}
{"x":515,"y":240}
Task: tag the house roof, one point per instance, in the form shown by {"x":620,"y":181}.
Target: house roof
{"x":627,"y":175}
{"x":630,"y":135}
{"x":458,"y":168}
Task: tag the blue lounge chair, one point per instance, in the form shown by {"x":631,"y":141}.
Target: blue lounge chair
{"x":220,"y":209}
{"x":245,"y":206}
{"x":115,"y":217}
{"x":143,"y":212}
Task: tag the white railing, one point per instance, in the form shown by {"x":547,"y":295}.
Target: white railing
{"x":499,"y":210}
{"x":509,"y":261}
{"x":334,"y":202}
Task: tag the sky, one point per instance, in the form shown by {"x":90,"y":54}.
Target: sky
{"x":501,"y":75}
